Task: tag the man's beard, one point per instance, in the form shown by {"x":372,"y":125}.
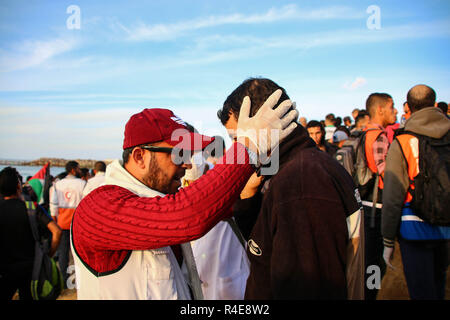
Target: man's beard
{"x":156,"y":178}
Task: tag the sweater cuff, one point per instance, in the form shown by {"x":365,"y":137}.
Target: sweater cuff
{"x":388,"y":243}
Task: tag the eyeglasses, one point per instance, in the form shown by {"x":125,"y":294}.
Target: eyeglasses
{"x":158,"y":149}
{"x":179,"y":155}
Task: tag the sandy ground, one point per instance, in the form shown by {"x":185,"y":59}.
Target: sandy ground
{"x":393,"y":285}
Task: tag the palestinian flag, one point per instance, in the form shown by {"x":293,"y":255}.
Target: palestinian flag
{"x":40,"y":183}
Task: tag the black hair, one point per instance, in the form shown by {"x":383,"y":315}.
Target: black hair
{"x":100,"y":166}
{"x":443,"y":106}
{"x":330,"y":117}
{"x":359,"y":118}
{"x":376,"y":99}
{"x":71,"y":165}
{"x":9,"y":180}
{"x":127,"y":152}
{"x":257,"y":89}
{"x":315,"y":124}
{"x":84,"y":172}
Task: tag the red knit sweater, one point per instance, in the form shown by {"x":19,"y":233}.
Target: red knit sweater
{"x":111,"y":221}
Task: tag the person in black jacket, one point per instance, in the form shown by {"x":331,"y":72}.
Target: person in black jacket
{"x":296,"y":220}
{"x":17,"y":244}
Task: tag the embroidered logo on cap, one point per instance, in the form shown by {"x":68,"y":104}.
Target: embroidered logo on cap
{"x":254,"y":248}
{"x":178,"y":120}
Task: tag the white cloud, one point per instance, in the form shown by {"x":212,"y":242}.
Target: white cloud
{"x":163,"y":32}
{"x":31,"y":53}
{"x":357,"y":83}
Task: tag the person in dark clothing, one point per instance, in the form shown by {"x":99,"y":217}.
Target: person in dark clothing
{"x":302,"y":221}
{"x":16,"y":239}
{"x":317,"y":133}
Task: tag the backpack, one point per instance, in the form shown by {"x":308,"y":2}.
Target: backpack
{"x":431,"y":193}
{"x":345,"y":156}
{"x":352,"y":156}
{"x":46,"y":279}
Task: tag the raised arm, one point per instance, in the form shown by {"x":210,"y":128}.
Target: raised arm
{"x":113,"y":218}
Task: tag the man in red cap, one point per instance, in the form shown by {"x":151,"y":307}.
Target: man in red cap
{"x":126,"y":233}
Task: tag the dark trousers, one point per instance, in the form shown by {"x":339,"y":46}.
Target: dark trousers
{"x":425,"y":266}
{"x":12,"y":281}
{"x":373,"y":249}
{"x":64,"y":254}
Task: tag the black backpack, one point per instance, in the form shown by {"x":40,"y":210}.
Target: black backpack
{"x":46,"y":278}
{"x":431,"y":193}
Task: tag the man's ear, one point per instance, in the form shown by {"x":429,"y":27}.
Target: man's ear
{"x":138,"y":157}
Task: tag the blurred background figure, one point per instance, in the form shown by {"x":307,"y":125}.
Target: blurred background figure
{"x":98,"y":178}
{"x":303,"y":121}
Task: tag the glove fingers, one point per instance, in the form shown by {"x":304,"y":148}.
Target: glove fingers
{"x":272,"y":100}
{"x":288,"y":118}
{"x":287,"y":131}
{"x":283,"y":108}
{"x":244,"y":113}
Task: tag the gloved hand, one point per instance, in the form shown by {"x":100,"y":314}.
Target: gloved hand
{"x":268,"y":127}
{"x":387,"y":256}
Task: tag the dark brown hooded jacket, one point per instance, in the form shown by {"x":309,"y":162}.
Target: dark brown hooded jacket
{"x":299,"y":246}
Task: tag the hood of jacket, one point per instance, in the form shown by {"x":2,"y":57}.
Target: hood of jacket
{"x":117,"y":175}
{"x":430,"y":122}
{"x":299,"y":138}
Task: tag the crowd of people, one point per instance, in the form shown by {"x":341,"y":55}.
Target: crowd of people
{"x":181,"y":217}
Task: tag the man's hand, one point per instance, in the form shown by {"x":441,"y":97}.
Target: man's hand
{"x":268,"y":127}
{"x":251,"y":187}
{"x":387,"y":256}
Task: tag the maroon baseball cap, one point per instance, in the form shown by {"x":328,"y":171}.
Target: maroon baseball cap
{"x":156,"y":125}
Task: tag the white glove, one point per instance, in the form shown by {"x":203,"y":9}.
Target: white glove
{"x":387,"y":256}
{"x":198,"y":167}
{"x":268,"y":127}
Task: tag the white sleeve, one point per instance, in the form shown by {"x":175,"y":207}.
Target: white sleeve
{"x":53,"y":201}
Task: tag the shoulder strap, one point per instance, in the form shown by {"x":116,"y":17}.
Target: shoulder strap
{"x":194,"y":279}
{"x":374,"y":200}
{"x":236,"y":231}
{"x":31,"y":210}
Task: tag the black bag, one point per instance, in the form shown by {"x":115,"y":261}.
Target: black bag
{"x":46,"y":279}
{"x":431,"y":193}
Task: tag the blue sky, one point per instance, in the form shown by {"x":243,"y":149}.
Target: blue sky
{"x":69,"y":92}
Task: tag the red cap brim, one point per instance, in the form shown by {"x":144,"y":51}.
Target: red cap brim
{"x":190,"y":141}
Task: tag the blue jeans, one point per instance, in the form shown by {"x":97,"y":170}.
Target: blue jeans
{"x":425,"y":266}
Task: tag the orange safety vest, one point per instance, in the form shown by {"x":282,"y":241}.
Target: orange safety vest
{"x":372,"y":133}
{"x":409,"y":145}
{"x":65,"y":216}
